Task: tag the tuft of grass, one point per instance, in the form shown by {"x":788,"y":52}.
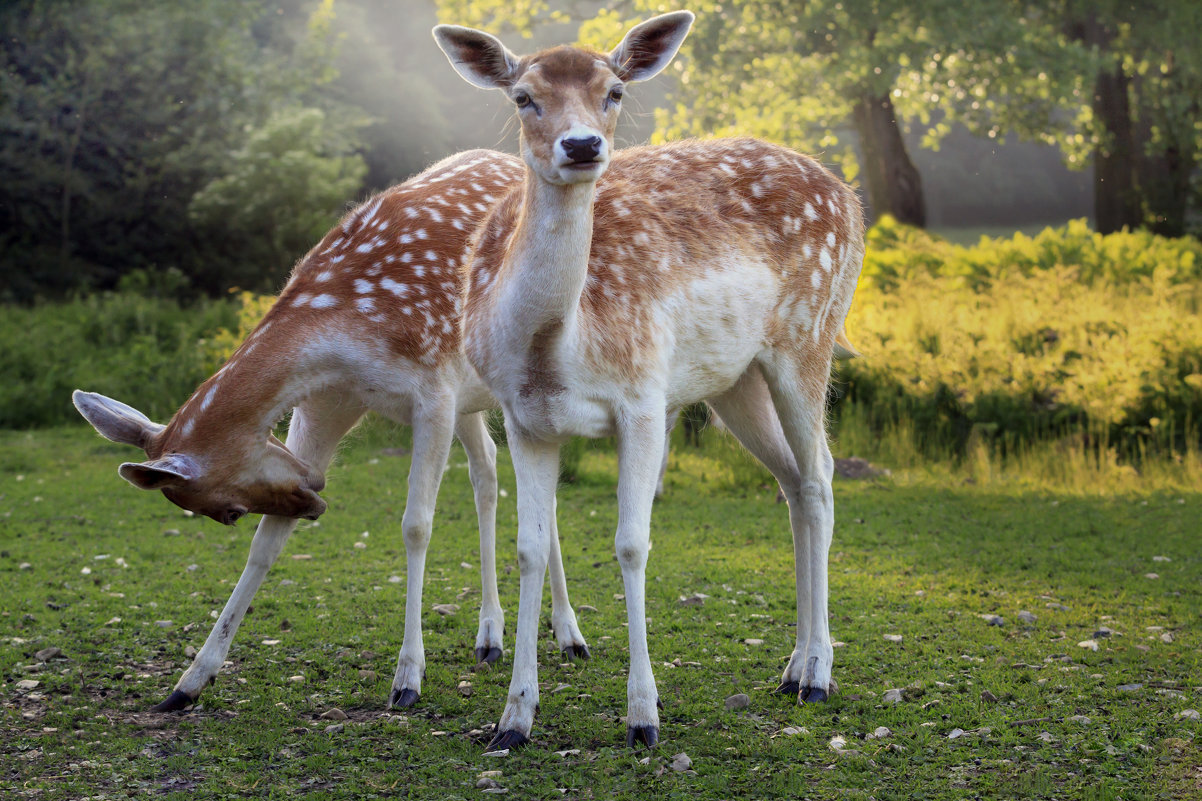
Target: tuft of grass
{"x":918,"y":557}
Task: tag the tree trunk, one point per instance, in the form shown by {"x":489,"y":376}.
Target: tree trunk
{"x":893,"y":183}
{"x":1116,"y":197}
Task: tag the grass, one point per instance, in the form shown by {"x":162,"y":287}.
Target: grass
{"x":122,"y":582}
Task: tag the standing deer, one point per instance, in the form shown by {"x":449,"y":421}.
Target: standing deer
{"x":369,"y":320}
{"x":717,"y":271}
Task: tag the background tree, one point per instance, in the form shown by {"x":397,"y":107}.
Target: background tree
{"x":1114,"y":84}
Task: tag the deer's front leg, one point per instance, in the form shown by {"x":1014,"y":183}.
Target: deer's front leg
{"x":640,"y":444}
{"x":314,"y":432}
{"x":265,"y":548}
{"x":433,"y":427}
{"x":536,"y":469}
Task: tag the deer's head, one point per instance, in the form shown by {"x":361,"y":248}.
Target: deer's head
{"x":222,"y":477}
{"x":567,"y":98}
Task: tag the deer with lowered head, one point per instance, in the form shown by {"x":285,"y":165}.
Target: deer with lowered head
{"x":720,"y":270}
{"x":369,"y":320}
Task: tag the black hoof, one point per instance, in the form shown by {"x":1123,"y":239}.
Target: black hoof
{"x":175,"y":702}
{"x":811,"y":695}
{"x":790,"y":688}
{"x":403,"y":699}
{"x":641,"y":735}
{"x":505,"y":740}
{"x":575,"y":652}
{"x":487,"y":655}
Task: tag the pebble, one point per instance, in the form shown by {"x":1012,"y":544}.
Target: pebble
{"x":794,"y":730}
{"x":1129,"y":688}
{"x":334,"y":728}
{"x":1082,"y":719}
{"x":189,"y":651}
{"x":1167,"y":637}
{"x":838,"y":743}
{"x":696,"y":599}
{"x":753,"y":641}
{"x":892,"y":637}
{"x":955,"y":734}
{"x":497,"y":790}
{"x":681,"y":762}
{"x":893,"y":696}
{"x":988,"y":697}
{"x":1103,"y":631}
{"x":1092,"y":645}
{"x":25,"y":566}
{"x":569,"y":752}
{"x":334,"y":713}
{"x":163,"y":624}
{"x":27,"y":684}
{"x":880,"y":732}
{"x":738,"y":701}
{"x":1151,"y":575}
{"x":1161,"y":559}
{"x":1027,"y":617}
{"x":465,"y":689}
{"x":1187,"y":714}
{"x":486,"y":784}
{"x":298,"y":679}
{"x":46,"y":654}
{"x":994,"y":620}
{"x":446,"y":609}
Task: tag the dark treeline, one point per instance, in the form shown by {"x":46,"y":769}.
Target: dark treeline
{"x":187,"y":148}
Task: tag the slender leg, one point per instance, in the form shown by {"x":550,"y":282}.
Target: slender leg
{"x":799,"y":397}
{"x":316,"y":428}
{"x":536,"y":467}
{"x":563,"y":617}
{"x":482,"y":467}
{"x":433,"y":426}
{"x":640,"y":443}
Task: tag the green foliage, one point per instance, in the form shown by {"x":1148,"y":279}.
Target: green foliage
{"x":1011,"y":341}
{"x":134,"y":135}
{"x":143,"y":351}
{"x":278,"y":194}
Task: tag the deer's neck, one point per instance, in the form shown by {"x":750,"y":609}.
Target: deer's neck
{"x":548,"y":255}
{"x":269,"y":374}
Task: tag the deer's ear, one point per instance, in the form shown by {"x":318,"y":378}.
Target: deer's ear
{"x":175,"y":470}
{"x":477,"y":56}
{"x":114,"y":420}
{"x":650,"y":45}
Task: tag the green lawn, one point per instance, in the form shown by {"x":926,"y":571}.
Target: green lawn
{"x":122,"y":582}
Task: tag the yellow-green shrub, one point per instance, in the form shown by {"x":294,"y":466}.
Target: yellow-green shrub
{"x":1066,"y":332}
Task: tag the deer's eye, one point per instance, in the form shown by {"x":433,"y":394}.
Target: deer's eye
{"x":615,"y":95}
{"x":522,"y":99}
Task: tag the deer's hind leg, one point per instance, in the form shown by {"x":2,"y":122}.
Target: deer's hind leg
{"x":482,"y":467}
{"x":792,"y":445}
{"x":316,"y":428}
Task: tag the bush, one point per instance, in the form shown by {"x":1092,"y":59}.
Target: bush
{"x":146,"y":352}
{"x":1016,"y":340}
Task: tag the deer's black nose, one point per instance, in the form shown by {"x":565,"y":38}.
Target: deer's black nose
{"x":582,"y":149}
